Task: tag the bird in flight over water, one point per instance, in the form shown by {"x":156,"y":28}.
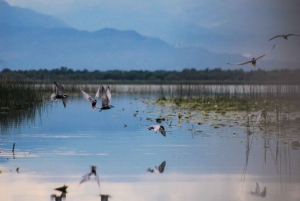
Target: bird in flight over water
{"x":157,"y":128}
{"x":253,"y":61}
{"x":285,"y":36}
{"x":159,"y":169}
{"x":59,"y":94}
{"x":105,"y":98}
{"x":87,"y":177}
{"x":87,"y":97}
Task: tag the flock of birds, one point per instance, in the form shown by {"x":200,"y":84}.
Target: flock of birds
{"x":253,"y":60}
{"x":106,"y":99}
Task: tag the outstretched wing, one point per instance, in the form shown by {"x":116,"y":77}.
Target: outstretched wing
{"x":85,"y":178}
{"x":292,"y":35}
{"x":276,"y":37}
{"x":246,"y":62}
{"x":108,"y":94}
{"x":104,"y":97}
{"x":162,"y":130}
{"x":59,"y":89}
{"x":86,"y":96}
{"x":97,"y":94}
{"x":162,"y":166}
{"x":265,"y":53}
{"x":257,"y":190}
{"x":64,"y":101}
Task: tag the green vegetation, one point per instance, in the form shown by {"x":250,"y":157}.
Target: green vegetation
{"x":67,"y":75}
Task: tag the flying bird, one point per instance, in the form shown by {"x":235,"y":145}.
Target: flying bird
{"x":106,"y":98}
{"x":159,"y":169}
{"x":87,"y":177}
{"x":285,"y":36}
{"x":253,"y":61}
{"x":87,"y":97}
{"x":258,"y":114}
{"x":157,"y":128}
{"x":258,"y":193}
{"x":59,"y":94}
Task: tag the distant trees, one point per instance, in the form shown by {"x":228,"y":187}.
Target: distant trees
{"x":186,"y":75}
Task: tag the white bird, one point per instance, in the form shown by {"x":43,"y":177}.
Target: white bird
{"x":157,"y":128}
{"x":59,"y":94}
{"x":87,"y":97}
{"x":258,"y":114}
{"x":106,"y":98}
{"x":253,"y":61}
{"x":87,"y":177}
{"x":285,"y":36}
{"x":159,"y":169}
{"x":258,"y":193}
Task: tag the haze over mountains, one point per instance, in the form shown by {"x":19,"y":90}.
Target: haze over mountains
{"x":30,"y":40}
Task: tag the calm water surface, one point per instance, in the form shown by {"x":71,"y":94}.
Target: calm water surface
{"x":57,"y":146}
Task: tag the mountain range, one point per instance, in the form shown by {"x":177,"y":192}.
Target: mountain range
{"x":31,"y":40}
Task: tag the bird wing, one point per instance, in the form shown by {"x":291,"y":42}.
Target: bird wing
{"x":59,"y":89}
{"x":162,"y":166}
{"x":276,"y":37}
{"x":97,"y":179}
{"x":162,"y":130}
{"x":85,"y":178}
{"x":86,"y":96}
{"x":108,"y":94}
{"x":257,"y":190}
{"x":104,"y":97}
{"x":292,"y":35}
{"x":64,"y":101}
{"x":246,"y":62}
{"x":265,"y":53}
{"x":97,"y":94}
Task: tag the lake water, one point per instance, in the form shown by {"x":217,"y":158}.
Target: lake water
{"x":56,"y":146}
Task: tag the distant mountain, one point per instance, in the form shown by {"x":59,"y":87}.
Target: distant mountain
{"x":30,"y":40}
{"x":15,"y":16}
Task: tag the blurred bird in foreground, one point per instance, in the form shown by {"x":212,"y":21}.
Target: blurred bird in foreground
{"x":87,"y":97}
{"x":159,"y":169}
{"x":87,"y":177}
{"x":59,"y":94}
{"x":63,"y":195}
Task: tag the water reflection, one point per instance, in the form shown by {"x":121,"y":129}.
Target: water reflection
{"x":223,"y":158}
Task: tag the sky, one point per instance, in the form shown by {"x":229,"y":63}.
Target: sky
{"x":186,"y":22}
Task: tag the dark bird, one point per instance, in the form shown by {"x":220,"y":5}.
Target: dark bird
{"x":87,"y":97}
{"x":159,"y":120}
{"x":258,"y":114}
{"x":87,"y":177}
{"x":63,"y":191}
{"x":157,"y":128}
{"x":159,"y":169}
{"x":258,"y":193}
{"x":106,"y":98}
{"x":285,"y":36}
{"x":253,"y":61}
{"x":59,"y":94}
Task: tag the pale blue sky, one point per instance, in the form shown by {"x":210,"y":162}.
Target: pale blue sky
{"x":232,"y":26}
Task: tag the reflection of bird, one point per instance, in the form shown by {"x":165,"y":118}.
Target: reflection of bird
{"x":87,"y":177}
{"x":258,"y":193}
{"x":63,"y":191}
{"x":159,"y":120}
{"x":87,"y":97}
{"x":285,"y":36}
{"x":106,"y":98}
{"x":253,"y":61}
{"x":157,"y":128}
{"x":159,"y":169}
{"x":258,"y":114}
{"x":104,"y":197}
{"x":59,"y":94}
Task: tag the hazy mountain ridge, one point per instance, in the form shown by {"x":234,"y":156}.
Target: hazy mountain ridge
{"x":42,"y":41}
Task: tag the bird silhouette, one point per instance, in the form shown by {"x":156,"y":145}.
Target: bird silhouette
{"x":87,"y":97}
{"x":253,"y":61}
{"x":157,"y":128}
{"x":59,"y":94}
{"x":63,"y":195}
{"x":159,"y":169}
{"x":105,"y":98}
{"x":285,"y":36}
{"x":258,"y":193}
{"x":87,"y":177}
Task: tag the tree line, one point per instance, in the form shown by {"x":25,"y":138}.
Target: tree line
{"x":65,"y":74}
